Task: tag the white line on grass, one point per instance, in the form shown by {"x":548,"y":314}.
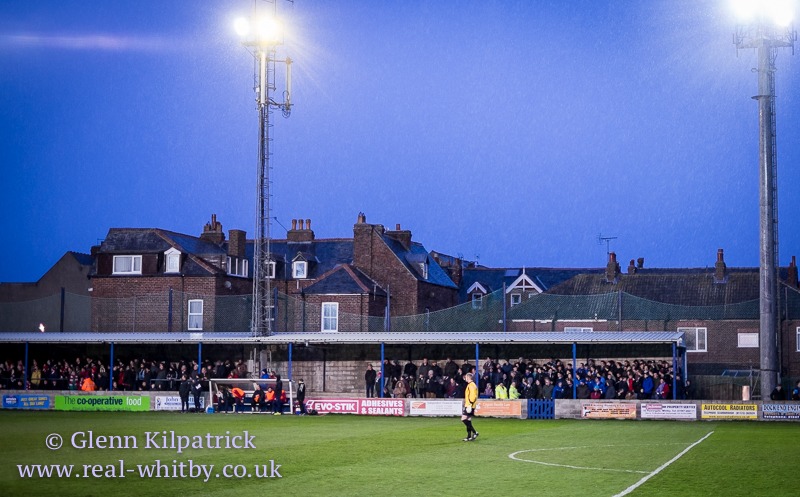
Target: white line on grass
{"x":660,"y":468}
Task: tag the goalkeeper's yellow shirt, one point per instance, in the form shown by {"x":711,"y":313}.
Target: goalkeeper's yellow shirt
{"x":471,"y":395}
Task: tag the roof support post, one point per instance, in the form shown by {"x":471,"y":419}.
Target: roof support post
{"x":25,"y":368}
{"x":383,"y":374}
{"x":574,"y":371}
{"x":199,"y":356}
{"x":477,"y":361}
{"x":290,"y":364}
{"x":111,"y":369}
{"x":674,"y":370}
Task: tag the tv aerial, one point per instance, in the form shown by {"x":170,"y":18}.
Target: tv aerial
{"x":607,"y":240}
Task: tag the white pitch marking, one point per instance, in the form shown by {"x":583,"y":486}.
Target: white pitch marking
{"x":514,"y":457}
{"x":660,"y":468}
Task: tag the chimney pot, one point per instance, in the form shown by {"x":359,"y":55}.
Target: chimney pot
{"x":397,"y":227}
{"x":294,"y":224}
{"x":640,"y":262}
{"x":720,"y":269}
{"x":308,"y":224}
{"x":791,"y":276}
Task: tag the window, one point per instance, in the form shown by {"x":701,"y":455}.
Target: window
{"x":516,"y":298}
{"x":237,"y":267}
{"x":330,"y":316}
{"x":271,"y":269}
{"x":127,"y":264}
{"x":172,"y":261}
{"x":695,"y":339}
{"x":576,"y":329}
{"x":195,"y":314}
{"x":299,"y":270}
{"x":477,"y":301}
{"x":748,"y":340}
{"x":797,"y":341}
{"x":423,"y":269}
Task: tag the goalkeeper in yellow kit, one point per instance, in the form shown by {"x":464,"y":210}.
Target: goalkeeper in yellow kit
{"x":470,"y":400}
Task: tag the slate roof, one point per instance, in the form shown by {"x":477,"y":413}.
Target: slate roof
{"x":154,"y":241}
{"x":493,"y":278}
{"x":695,"y":287}
{"x":418,"y":253}
{"x":323,"y":255}
{"x":344,"y":280}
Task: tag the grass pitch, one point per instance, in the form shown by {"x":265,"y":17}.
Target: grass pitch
{"x":360,"y":456}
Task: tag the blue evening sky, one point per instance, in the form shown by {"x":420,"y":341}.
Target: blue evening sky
{"x":514,"y":132}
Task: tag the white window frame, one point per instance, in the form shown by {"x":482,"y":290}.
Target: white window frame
{"x":747,"y":340}
{"x":330,"y":317}
{"x":238,"y":267}
{"x":577,"y":329}
{"x":797,"y":341}
{"x":516,"y":299}
{"x":135,"y":260}
{"x":193,"y":314}
{"x":424,"y":269}
{"x":172,"y":261}
{"x":271,"y":270}
{"x":696,"y":333}
{"x":300,"y":270}
{"x":477,"y":301}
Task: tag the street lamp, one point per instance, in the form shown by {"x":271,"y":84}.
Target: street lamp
{"x":766,"y":25}
{"x":261,"y":34}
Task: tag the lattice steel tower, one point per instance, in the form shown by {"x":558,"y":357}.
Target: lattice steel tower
{"x":766,"y":27}
{"x":261,"y":35}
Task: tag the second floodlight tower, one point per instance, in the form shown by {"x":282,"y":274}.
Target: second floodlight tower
{"x":261,"y":34}
{"x":766,"y":26}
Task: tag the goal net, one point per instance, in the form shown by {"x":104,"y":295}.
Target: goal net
{"x":254,"y":398}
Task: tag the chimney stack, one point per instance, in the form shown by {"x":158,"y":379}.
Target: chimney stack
{"x":791,"y":277}
{"x":612,"y":268}
{"x":301,"y":231}
{"x":237,"y":243}
{"x":631,"y":267}
{"x":212,"y":232}
{"x":402,"y":236}
{"x":720,"y":269}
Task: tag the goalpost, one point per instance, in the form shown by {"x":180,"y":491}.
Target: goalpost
{"x":218,"y":386}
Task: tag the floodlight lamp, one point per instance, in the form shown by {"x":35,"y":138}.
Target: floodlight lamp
{"x":780,"y":12}
{"x":242,"y":27}
{"x":745,"y":10}
{"x":268,"y":30}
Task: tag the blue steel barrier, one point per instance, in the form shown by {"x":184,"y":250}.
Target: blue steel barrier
{"x":541,"y":409}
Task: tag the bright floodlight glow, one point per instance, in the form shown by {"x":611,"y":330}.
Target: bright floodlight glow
{"x":269,"y":30}
{"x":780,"y":12}
{"x":242,"y":26}
{"x":745,"y":10}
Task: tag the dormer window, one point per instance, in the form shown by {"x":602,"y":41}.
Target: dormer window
{"x":172,"y":258}
{"x":423,"y":269}
{"x":299,"y":270}
{"x":477,"y":301}
{"x":127,"y":264}
{"x":237,"y":267}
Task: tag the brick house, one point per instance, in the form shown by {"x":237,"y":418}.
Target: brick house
{"x":159,"y":280}
{"x":716,"y":307}
{"x":150,"y":279}
{"x":350,"y":284}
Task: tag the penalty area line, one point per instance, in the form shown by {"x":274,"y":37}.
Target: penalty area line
{"x":660,"y":468}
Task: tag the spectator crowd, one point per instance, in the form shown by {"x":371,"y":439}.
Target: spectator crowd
{"x":90,"y":374}
{"x":527,"y":379}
